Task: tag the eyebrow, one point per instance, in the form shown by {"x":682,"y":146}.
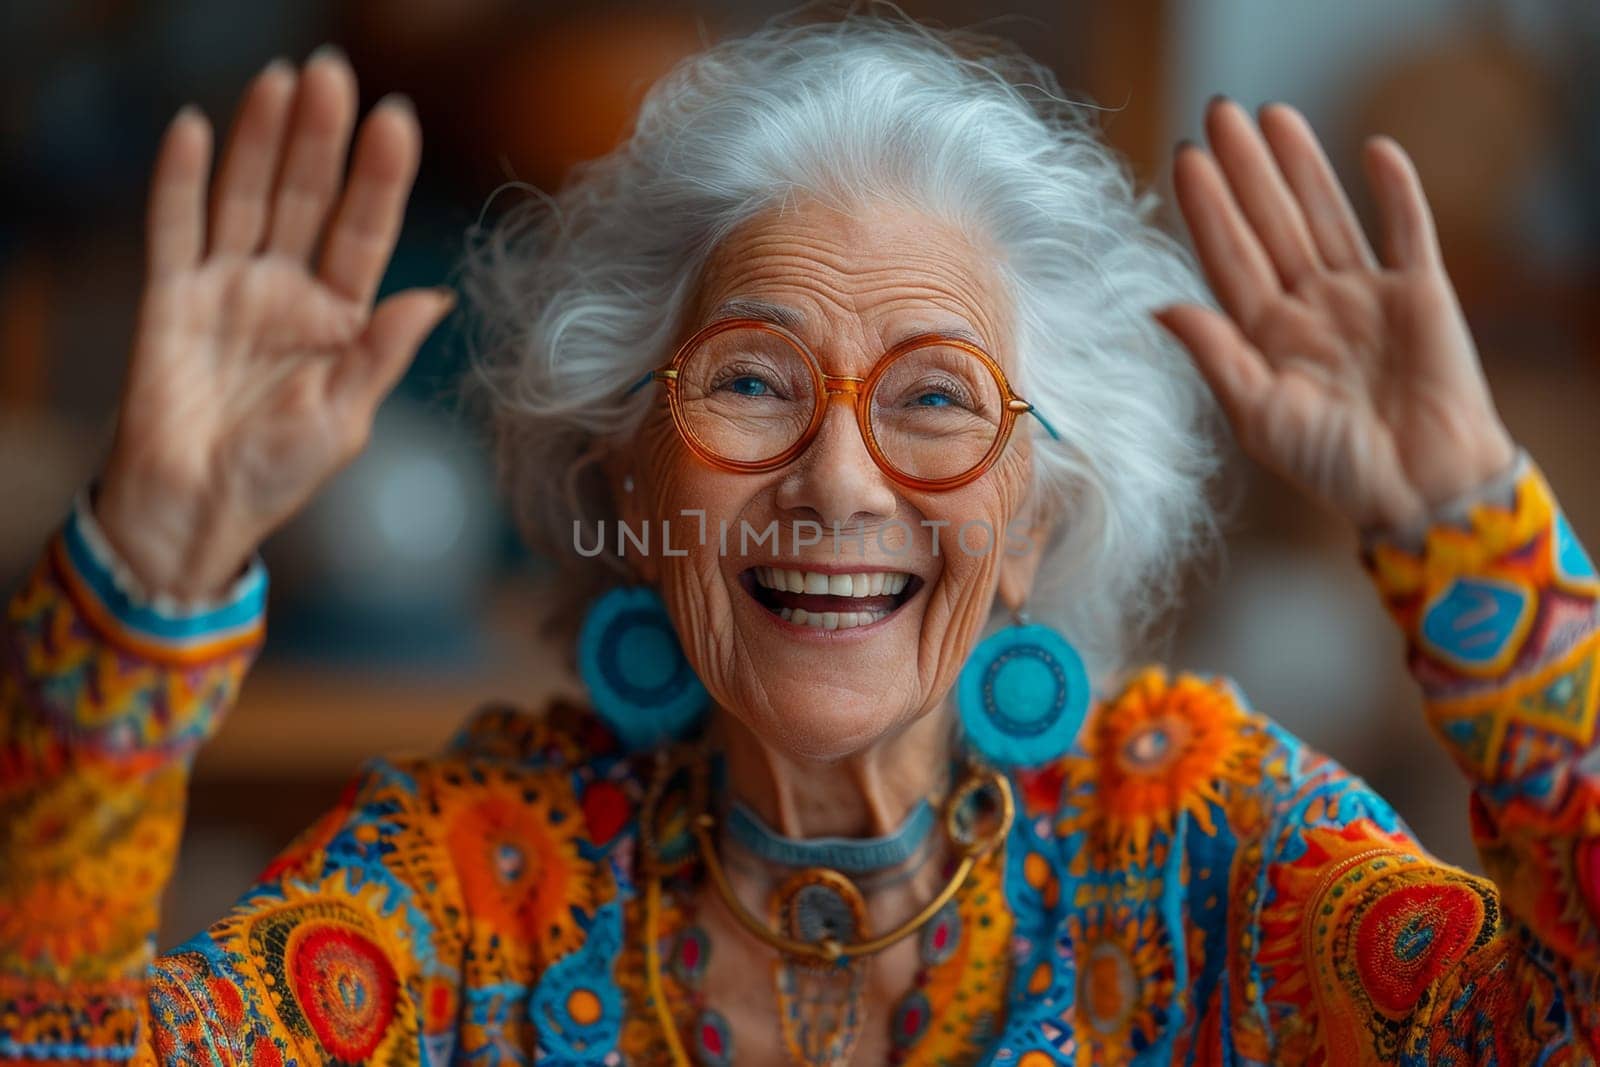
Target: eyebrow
{"x":794,"y":321}
{"x":762,"y":310}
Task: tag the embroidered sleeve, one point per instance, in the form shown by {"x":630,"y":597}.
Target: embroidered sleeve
{"x":442,"y":909}
{"x":104,"y":698}
{"x":1356,"y":944}
{"x":1499,"y":608}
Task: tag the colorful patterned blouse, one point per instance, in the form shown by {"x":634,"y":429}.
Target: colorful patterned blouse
{"x":1191,"y":885}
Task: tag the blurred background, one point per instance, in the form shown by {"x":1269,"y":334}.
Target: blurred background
{"x":401,"y":599}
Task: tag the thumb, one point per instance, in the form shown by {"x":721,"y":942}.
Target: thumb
{"x":1230,"y":364}
{"x":397,"y":329}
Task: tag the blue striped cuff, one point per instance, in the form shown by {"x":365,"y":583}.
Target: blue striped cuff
{"x":161,"y":618}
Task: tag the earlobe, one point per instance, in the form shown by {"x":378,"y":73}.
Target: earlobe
{"x":627,"y":505}
{"x":1022,"y":551}
{"x":1023,"y":541}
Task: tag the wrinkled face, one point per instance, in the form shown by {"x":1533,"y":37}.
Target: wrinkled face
{"x":822,"y":649}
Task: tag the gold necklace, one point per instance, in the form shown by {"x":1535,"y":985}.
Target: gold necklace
{"x":652,"y":972}
{"x":969,"y":842}
{"x":963,"y":827}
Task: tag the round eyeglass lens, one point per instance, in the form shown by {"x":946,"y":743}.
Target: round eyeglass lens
{"x":746,"y":394}
{"x":935,"y":412}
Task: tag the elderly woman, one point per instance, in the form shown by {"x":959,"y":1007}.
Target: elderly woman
{"x":872,"y":417}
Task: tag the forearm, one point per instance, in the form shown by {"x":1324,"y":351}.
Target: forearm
{"x":1498,"y":603}
{"x":104,"y":699}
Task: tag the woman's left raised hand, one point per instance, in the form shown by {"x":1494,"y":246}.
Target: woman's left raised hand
{"x":1355,"y":379}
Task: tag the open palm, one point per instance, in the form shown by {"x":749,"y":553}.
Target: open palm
{"x":259,"y":359}
{"x":1356,"y":380}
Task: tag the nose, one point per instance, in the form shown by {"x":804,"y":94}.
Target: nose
{"x":835,"y":479}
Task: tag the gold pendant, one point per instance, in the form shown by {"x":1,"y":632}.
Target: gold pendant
{"x":820,"y":1003}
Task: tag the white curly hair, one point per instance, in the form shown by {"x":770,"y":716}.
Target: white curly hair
{"x":578,"y":295}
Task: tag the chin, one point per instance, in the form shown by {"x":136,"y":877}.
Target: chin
{"x":820,"y":693}
{"x":824,"y":725}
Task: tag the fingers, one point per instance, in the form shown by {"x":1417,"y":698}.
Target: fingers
{"x":313,"y":162}
{"x":1408,"y":235}
{"x":396,"y":331}
{"x":240,"y":203}
{"x":1234,"y":262}
{"x":1259,"y":189}
{"x":1321,"y":198}
{"x":175,"y":224}
{"x":367,"y":223}
{"x":1236,"y":372}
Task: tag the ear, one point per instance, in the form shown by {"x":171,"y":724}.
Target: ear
{"x":1021,"y":551}
{"x":627,"y":503}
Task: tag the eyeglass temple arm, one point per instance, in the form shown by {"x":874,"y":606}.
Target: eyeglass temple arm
{"x":662,"y":375}
{"x":1023,"y":407}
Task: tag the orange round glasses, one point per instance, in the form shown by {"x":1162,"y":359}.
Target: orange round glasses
{"x":748,"y":396}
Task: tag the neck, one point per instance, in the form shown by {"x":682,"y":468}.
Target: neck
{"x":867,"y":794}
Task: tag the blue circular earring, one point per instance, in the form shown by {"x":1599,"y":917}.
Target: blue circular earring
{"x":638,"y":679}
{"x":1023,"y":695}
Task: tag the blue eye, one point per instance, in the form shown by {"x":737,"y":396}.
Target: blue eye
{"x":934,"y":400}
{"x":749,"y":385}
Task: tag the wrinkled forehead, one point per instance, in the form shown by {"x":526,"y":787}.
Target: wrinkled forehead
{"x":853,"y":284}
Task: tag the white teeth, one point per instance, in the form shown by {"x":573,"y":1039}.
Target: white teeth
{"x":816,"y":583}
{"x":830,"y":620}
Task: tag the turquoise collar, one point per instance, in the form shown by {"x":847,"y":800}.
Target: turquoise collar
{"x":848,"y":855}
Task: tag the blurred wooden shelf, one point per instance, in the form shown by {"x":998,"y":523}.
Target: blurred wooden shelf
{"x":297,"y":722}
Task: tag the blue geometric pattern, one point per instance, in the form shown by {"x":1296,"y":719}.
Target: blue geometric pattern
{"x":1572,"y":563}
{"x":1477,"y":622}
{"x":1471,"y":736}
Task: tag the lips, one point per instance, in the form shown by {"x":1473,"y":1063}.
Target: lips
{"x":827,"y":600}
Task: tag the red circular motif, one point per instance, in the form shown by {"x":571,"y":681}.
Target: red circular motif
{"x":1411,"y":935}
{"x":345,"y":986}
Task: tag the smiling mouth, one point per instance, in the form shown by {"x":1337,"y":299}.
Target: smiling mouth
{"x":826,"y":601}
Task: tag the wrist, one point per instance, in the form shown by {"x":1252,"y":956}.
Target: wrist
{"x":1457,"y":466}
{"x":1475,"y":459}
{"x":175,"y":544}
{"x":1498,"y":489}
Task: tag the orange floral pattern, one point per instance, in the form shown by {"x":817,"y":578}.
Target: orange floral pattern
{"x":1163,"y":748}
{"x":1190,"y":884}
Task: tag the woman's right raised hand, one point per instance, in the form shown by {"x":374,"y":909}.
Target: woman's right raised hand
{"x":259,"y":359}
